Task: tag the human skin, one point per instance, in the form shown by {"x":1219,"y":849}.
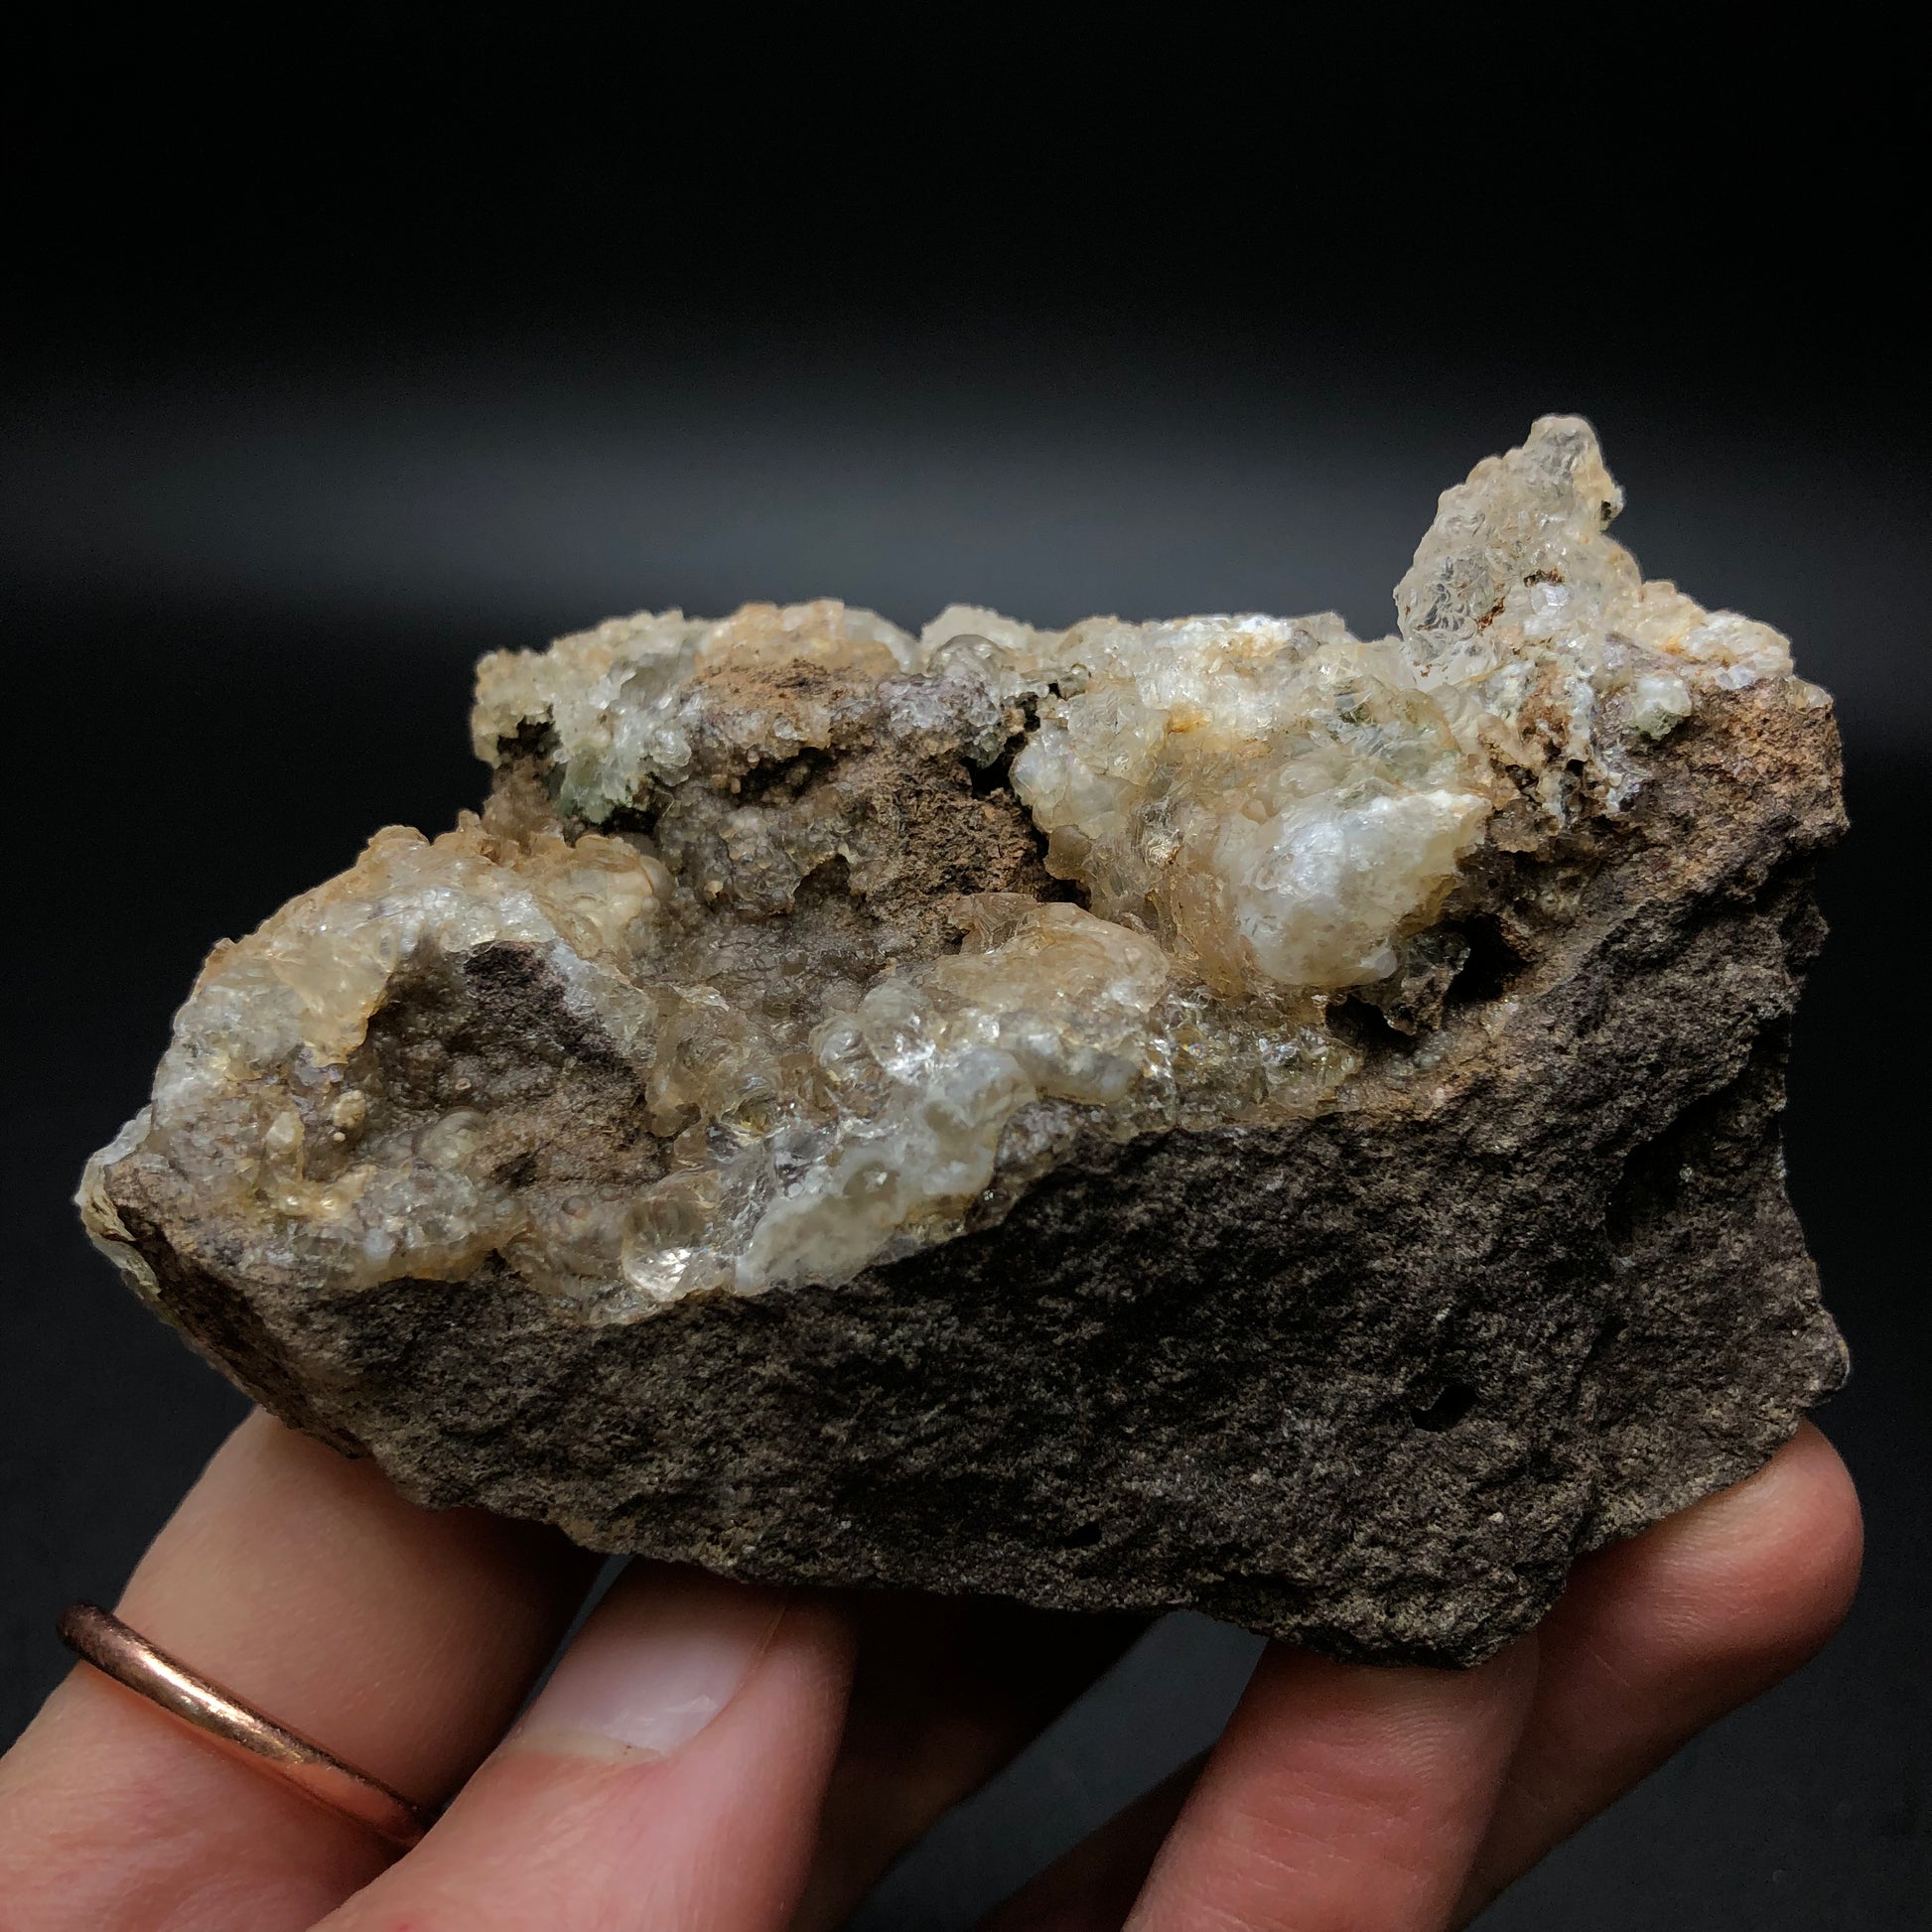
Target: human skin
{"x":711,"y":1755}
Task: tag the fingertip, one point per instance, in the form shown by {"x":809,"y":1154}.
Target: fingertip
{"x":1659,"y":1636}
{"x":1774,"y":1559}
{"x":672,"y":1772}
{"x":1744,"y":1585}
{"x":1800,"y":1531}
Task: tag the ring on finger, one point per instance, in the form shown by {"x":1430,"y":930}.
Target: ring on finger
{"x":224,"y":1720}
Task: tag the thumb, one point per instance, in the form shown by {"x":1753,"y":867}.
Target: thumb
{"x":670,"y":1773}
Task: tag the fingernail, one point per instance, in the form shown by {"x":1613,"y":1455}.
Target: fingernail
{"x":659,"y":1658}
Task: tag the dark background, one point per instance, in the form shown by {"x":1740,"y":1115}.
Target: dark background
{"x":328,"y":372}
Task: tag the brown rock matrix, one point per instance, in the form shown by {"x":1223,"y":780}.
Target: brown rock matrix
{"x":1214,"y":1113}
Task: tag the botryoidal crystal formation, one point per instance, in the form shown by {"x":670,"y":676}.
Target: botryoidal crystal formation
{"x":1210,"y":1113}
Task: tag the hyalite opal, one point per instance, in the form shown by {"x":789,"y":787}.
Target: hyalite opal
{"x":1207,"y":1112}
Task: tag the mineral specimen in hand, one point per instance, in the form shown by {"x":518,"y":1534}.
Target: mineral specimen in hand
{"x":1210,"y":1111}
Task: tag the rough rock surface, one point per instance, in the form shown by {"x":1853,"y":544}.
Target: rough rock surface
{"x":1210,"y":1114}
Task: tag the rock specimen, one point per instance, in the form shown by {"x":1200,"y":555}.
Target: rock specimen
{"x":1211,"y":1113}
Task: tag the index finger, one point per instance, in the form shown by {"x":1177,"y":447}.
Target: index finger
{"x":401,"y":1638}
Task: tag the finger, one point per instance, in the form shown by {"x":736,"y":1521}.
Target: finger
{"x":1653,"y":1639}
{"x":1092,"y":1887}
{"x":402,"y":1639}
{"x":946,"y":1691}
{"x":1657,"y":1637}
{"x":669,"y":1774}
{"x":1342,"y":1795}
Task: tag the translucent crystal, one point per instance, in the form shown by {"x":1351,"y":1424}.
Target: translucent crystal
{"x":812,"y":929}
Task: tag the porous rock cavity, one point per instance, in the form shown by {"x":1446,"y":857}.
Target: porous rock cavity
{"x":1211,"y":1112}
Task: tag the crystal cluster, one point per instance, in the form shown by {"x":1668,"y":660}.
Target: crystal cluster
{"x":833,"y":934}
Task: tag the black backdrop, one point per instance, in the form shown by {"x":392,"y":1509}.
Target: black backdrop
{"x":310,"y":406}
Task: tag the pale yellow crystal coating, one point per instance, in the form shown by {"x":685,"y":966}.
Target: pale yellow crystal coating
{"x":1257,"y":815}
{"x":611,"y":694}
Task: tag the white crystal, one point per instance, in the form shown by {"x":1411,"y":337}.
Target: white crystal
{"x":1259,"y":814}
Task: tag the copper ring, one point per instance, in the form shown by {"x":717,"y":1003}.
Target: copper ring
{"x":238,"y":1729}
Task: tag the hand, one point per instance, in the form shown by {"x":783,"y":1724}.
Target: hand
{"x":710,"y":1758}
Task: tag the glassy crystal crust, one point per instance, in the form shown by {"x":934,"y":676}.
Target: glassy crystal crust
{"x":790,"y":947}
{"x":789,"y":868}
